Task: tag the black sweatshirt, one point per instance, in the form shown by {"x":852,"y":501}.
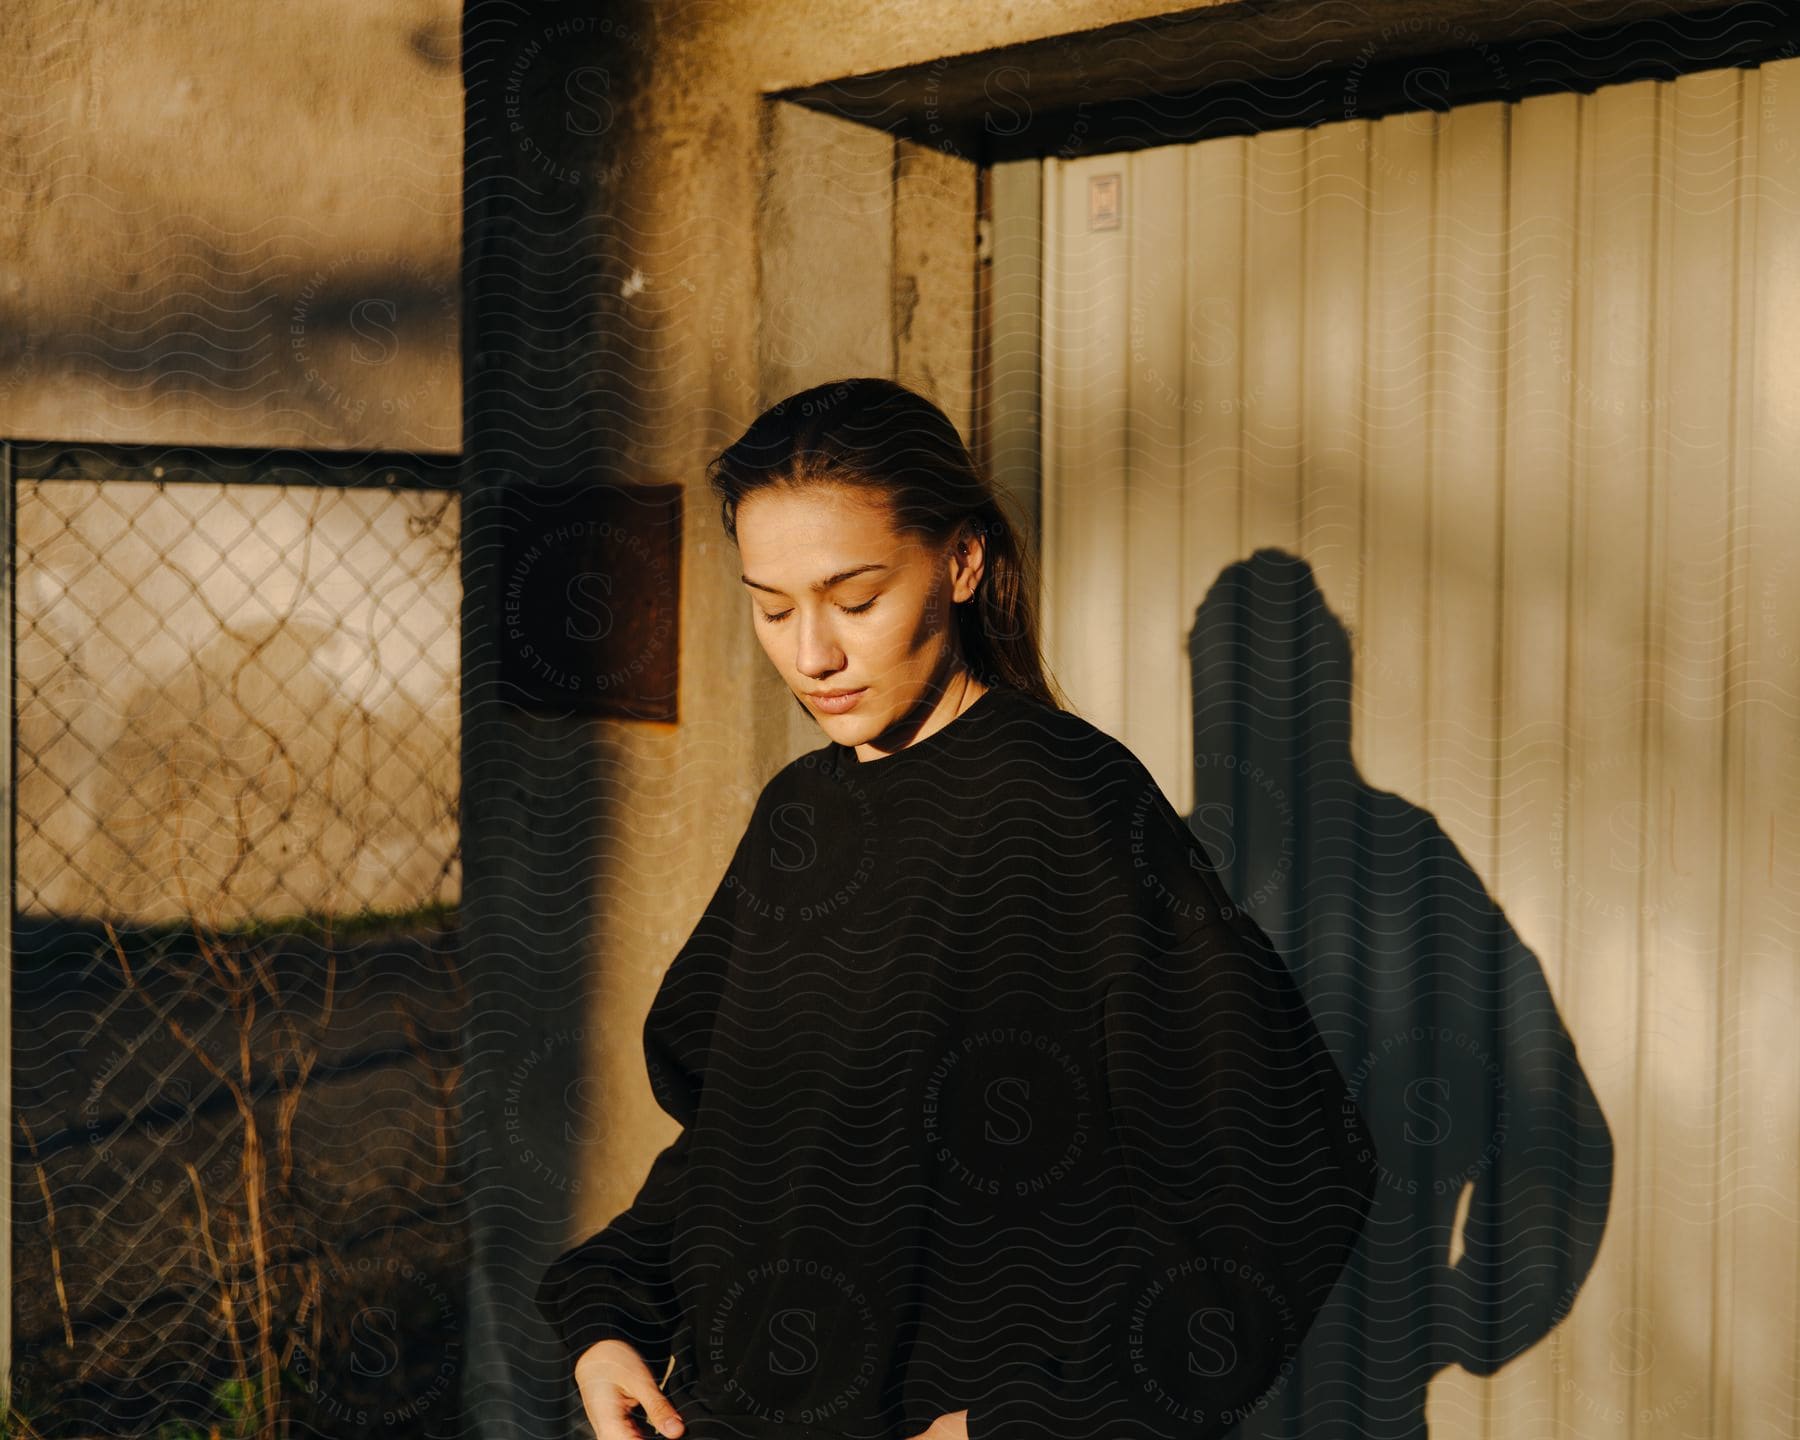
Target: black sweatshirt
{"x":990,"y":1099}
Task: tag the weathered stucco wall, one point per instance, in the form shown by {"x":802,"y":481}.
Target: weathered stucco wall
{"x":231,"y":224}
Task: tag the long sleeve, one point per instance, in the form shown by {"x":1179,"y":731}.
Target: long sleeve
{"x":1243,"y":1154}
{"x":1249,"y":1161}
{"x":617,"y":1284}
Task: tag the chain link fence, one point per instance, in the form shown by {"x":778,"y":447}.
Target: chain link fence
{"x":237,"y":1008}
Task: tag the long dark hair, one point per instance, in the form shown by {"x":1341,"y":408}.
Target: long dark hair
{"x":876,"y":436}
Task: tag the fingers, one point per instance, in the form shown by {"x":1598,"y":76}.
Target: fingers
{"x":660,"y":1413}
{"x":614,"y":1381}
{"x":610,"y":1412}
{"x":610,"y":1409}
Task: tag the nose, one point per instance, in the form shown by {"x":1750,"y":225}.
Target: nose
{"x":819,"y":655}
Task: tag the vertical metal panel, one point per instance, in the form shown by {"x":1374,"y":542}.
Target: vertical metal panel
{"x":1747,"y":99}
{"x":1684,"y":682}
{"x":1599,"y":844}
{"x":1212,"y":523}
{"x":1050,"y":413}
{"x":1085,"y":490}
{"x":1536,"y":541}
{"x":1518,"y":381}
{"x":1274,"y":248}
{"x":1016,"y":345}
{"x":1275,"y":225}
{"x":1153,"y":670}
{"x":1334,"y":349}
{"x":1389,"y":723}
{"x":1761,"y":1331}
{"x":1468,"y":277}
{"x":1764,"y":1093}
{"x":1465,"y":394}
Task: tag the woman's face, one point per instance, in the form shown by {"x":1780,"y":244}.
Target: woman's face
{"x":841,"y":602}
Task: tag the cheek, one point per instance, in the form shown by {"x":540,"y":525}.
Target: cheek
{"x":897,"y":642}
{"x":767,"y":636}
{"x":911,"y":634}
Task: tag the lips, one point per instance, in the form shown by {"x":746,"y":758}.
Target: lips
{"x":835,"y":702}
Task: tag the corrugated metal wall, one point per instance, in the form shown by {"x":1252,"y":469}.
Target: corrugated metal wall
{"x":1520,"y":384}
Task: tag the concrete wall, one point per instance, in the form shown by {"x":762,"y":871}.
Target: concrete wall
{"x":231,"y":224}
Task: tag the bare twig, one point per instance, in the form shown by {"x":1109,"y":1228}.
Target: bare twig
{"x":62,"y":1295}
{"x":227,"y":1309}
{"x":252,"y":1166}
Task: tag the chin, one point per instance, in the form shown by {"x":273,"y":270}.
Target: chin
{"x":854,"y":727}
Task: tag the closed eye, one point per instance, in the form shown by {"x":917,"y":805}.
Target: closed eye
{"x":777,"y":617}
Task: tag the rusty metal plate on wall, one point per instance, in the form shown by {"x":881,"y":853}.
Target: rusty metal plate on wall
{"x":590,"y":600}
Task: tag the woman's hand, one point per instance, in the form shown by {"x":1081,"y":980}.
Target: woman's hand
{"x":614,"y":1380}
{"x":954,"y":1426}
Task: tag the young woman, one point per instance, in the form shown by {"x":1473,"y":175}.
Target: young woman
{"x":999,"y":1119}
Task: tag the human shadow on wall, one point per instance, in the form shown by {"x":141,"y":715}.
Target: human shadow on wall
{"x":1495,"y":1159}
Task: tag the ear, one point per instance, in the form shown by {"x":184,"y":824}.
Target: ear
{"x":968,"y":563}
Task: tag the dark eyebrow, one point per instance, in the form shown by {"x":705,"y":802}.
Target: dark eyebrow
{"x":820,"y":586}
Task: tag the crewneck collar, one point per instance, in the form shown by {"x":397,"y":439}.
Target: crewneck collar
{"x":959,"y":737}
